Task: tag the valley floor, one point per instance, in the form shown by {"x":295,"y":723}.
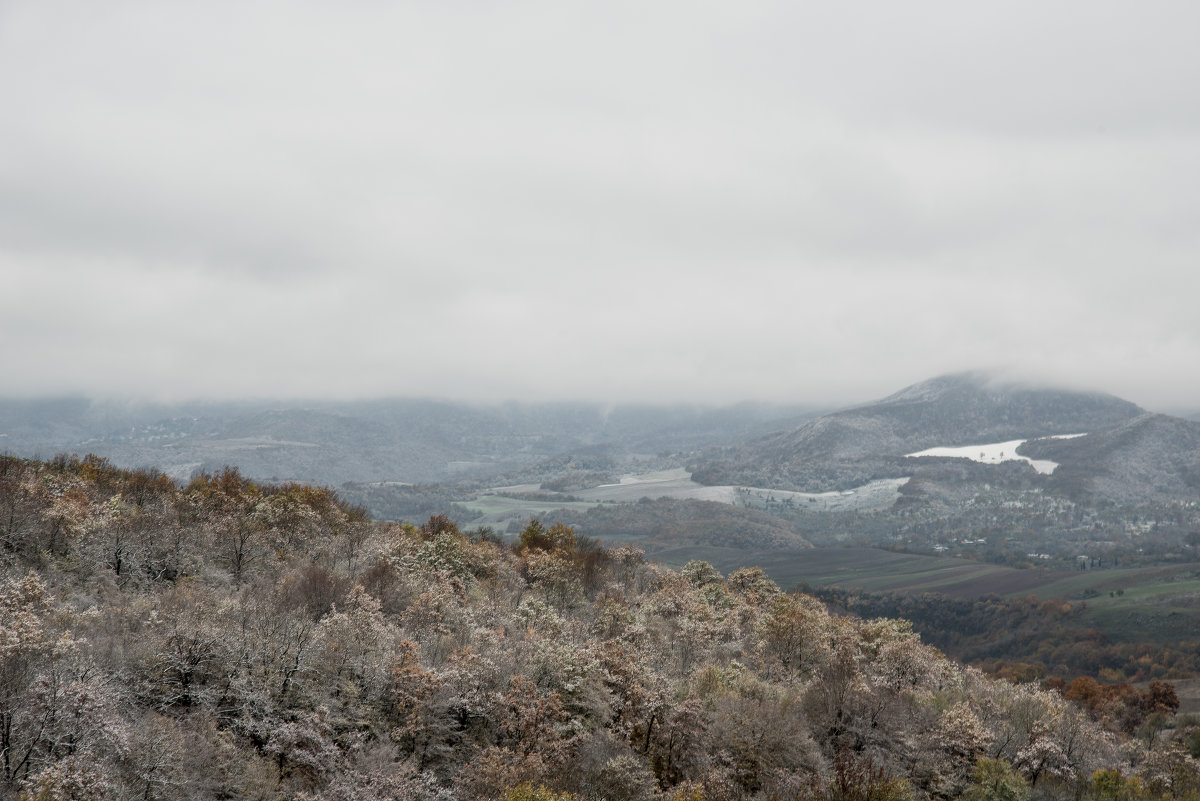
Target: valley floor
{"x":517,"y":503}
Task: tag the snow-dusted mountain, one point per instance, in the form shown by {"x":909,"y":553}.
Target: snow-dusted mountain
{"x":1153,"y":457}
{"x":850,"y":447}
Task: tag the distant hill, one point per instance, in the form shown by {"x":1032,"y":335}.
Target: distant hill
{"x":1152,"y":457}
{"x":850,"y":447}
{"x":406,"y":440}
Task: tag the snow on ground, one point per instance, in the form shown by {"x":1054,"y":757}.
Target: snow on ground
{"x":996,"y":452}
{"x":678,"y":484}
{"x":878,"y":494}
{"x":675,"y":483}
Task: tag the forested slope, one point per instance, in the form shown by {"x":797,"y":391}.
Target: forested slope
{"x":231,"y":640}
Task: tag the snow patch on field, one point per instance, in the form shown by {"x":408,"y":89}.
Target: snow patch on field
{"x":678,"y":484}
{"x":996,"y":452}
{"x":675,"y":483}
{"x":872,"y":496}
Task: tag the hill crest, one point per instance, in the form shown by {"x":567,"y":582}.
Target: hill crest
{"x":851,"y":446}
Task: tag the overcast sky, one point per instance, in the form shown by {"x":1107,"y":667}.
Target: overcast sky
{"x":675,"y":200}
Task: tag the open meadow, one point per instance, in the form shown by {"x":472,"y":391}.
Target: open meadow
{"x":1128,"y":604}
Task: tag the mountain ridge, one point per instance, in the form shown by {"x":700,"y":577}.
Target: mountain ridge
{"x":404,"y":439}
{"x":849,"y":447}
{"x":1153,"y":457}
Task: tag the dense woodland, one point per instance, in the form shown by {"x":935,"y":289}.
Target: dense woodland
{"x":226,"y":639}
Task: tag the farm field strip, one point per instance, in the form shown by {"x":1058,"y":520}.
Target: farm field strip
{"x":677,"y":484}
{"x":873,"y":569}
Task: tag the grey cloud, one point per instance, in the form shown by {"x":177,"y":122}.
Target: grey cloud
{"x":618,"y":200}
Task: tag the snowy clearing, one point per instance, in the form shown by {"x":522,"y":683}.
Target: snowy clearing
{"x":677,"y":484}
{"x":996,"y":452}
{"x":873,"y":496}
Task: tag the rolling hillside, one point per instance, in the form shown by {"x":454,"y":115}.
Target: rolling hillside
{"x":1152,"y":457}
{"x":850,"y":447}
{"x":406,"y":440}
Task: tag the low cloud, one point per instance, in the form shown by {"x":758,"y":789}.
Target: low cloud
{"x":611,"y":202}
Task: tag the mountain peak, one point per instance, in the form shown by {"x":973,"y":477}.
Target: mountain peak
{"x":962,"y":408}
{"x":968,"y":408}
{"x":934,"y":388}
{"x":995,"y":383}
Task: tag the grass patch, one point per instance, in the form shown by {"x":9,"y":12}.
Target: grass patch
{"x":1158,"y":604}
{"x":499,"y":505}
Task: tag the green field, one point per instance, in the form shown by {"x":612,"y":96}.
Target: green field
{"x":1160,"y":607}
{"x":1155,"y":603}
{"x":872,"y":569}
{"x":499,"y":505}
{"x":1129,"y":604}
{"x":498,"y":509}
